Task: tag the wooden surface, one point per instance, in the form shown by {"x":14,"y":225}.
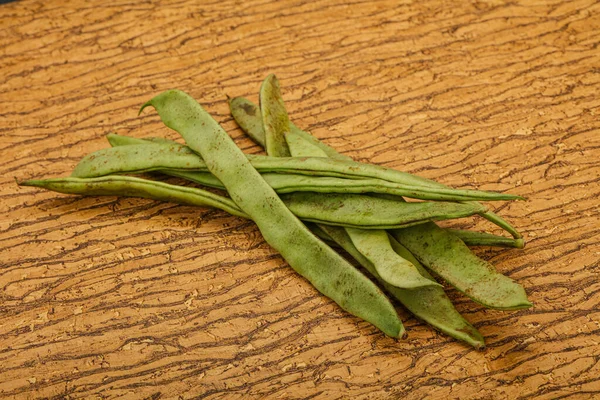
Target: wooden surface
{"x":130,"y":298}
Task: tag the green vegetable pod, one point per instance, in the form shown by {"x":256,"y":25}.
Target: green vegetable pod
{"x":448,"y":257}
{"x":382,"y":213}
{"x":178,"y":158}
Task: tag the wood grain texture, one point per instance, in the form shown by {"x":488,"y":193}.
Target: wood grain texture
{"x":130,"y":298}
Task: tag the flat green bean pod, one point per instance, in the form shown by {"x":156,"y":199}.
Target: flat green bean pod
{"x":371,"y":212}
{"x":155,"y":157}
{"x":281,"y":182}
{"x":119,"y":185}
{"x":447,"y":256}
{"x":310,"y":257}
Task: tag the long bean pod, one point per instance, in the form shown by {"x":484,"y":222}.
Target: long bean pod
{"x":371,"y":212}
{"x":118,"y":185}
{"x":447,"y":256}
{"x":281,"y":182}
{"x":380,"y":215}
{"x":310,"y":257}
{"x":155,"y":157}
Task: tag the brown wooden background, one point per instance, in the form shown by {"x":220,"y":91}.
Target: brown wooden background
{"x":130,"y":298}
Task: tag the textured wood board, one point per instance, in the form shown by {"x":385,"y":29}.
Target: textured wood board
{"x":130,"y":298}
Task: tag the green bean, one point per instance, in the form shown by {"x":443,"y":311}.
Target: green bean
{"x":263,"y":163}
{"x":119,"y":185}
{"x":371,"y":212}
{"x":281,"y":182}
{"x":137,"y":187}
{"x":274,"y":118}
{"x":250,"y":123}
{"x":429,"y":303}
{"x":138,"y":158}
{"x":447,"y":256}
{"x":204,"y":178}
{"x":310,"y":257}
{"x":471,"y":238}
{"x":154,"y":157}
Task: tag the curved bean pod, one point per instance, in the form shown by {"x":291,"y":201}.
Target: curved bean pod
{"x":310,"y":257}
{"x":371,"y":212}
{"x":155,"y":156}
{"x":281,"y":182}
{"x":447,"y":256}
{"x":119,"y":185}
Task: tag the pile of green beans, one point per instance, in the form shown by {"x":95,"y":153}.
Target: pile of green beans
{"x":308,"y":202}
